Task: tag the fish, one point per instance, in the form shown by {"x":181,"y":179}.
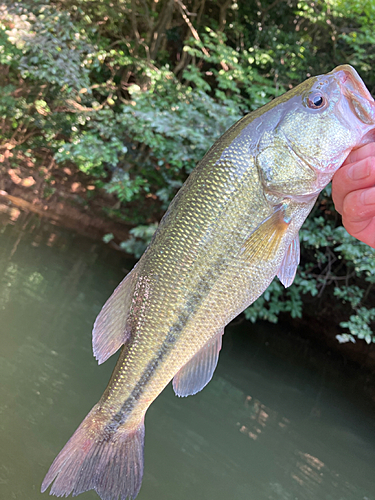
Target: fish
{"x":231,"y":228}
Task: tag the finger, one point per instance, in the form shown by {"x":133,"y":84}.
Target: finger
{"x":367,"y":234}
{"x":352,"y":177}
{"x":359,"y":205}
{"x":361,"y":153}
{"x":359,"y":215}
{"x":363,"y":231}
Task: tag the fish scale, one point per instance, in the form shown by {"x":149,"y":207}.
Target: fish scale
{"x":229,"y":231}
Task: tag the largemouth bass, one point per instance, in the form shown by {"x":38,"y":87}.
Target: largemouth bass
{"x":229,"y":231}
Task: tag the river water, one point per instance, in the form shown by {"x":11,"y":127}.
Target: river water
{"x":281,"y":420}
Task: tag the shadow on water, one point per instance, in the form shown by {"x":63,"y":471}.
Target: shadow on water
{"x":279,"y":421}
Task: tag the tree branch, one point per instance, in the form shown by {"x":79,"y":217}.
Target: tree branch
{"x":194,"y":32}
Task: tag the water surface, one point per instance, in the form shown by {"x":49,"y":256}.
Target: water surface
{"x":280,"y":420}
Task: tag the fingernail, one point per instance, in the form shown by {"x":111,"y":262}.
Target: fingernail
{"x":359,"y":171}
{"x":368,"y":196}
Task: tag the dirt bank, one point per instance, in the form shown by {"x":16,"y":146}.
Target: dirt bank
{"x":64,"y":195}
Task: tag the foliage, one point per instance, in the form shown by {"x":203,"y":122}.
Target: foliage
{"x":55,"y":51}
{"x":140,"y":238}
{"x":133,"y":93}
{"x":236,"y":80}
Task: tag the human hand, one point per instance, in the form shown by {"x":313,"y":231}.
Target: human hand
{"x":353,"y":193}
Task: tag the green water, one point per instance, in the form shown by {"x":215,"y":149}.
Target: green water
{"x":279,"y":421}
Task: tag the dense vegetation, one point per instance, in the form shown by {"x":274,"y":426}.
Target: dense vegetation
{"x":133,"y":92}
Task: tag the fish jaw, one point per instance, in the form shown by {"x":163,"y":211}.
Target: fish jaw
{"x":357,"y":108}
{"x":357,"y":93}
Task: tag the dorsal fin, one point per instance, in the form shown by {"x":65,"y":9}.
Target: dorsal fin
{"x":263,"y":242}
{"x":111,"y":329}
{"x":197,"y":372}
{"x":290,"y":262}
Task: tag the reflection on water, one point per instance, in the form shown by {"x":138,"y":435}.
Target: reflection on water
{"x":279,"y":421}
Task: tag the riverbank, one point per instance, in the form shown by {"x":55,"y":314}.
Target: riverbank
{"x":64,"y":195}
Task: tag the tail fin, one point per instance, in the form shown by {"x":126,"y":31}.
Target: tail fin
{"x":101,"y":456}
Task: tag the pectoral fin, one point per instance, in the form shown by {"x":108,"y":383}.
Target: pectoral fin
{"x":110,"y":330}
{"x":199,"y":370}
{"x":264,"y":241}
{"x":290,"y":263}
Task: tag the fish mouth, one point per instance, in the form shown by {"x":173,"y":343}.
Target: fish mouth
{"x":353,"y":88}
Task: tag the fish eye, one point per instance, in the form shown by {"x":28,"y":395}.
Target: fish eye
{"x":316,"y":100}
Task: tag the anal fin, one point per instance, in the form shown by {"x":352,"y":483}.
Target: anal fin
{"x":110,"y":330}
{"x":197,"y":372}
{"x":288,"y":268}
